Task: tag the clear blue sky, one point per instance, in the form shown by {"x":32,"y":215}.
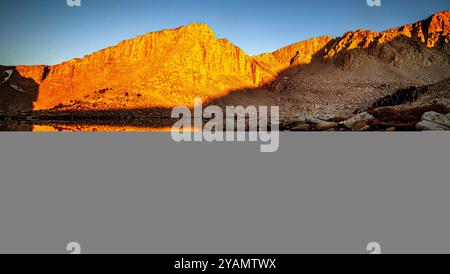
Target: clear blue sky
{"x":49,"y":32}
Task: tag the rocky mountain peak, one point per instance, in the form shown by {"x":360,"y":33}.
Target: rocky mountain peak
{"x":439,"y":22}
{"x":171,"y":67}
{"x":432,"y":31}
{"x":406,"y":47}
{"x":165,"y":68}
{"x":299,"y":53}
{"x":199,"y":28}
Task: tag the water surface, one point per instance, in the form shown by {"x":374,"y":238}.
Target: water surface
{"x":113,"y":125}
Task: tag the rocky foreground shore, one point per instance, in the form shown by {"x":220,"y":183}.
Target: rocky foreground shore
{"x":434,"y":117}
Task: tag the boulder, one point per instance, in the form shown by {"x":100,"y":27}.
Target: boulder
{"x":287,"y":125}
{"x":430,"y":126}
{"x":290,"y":123}
{"x":366,"y":128}
{"x":363,"y":117}
{"x":301,"y":127}
{"x":436,"y":118}
{"x":321,"y":124}
{"x":361,"y":126}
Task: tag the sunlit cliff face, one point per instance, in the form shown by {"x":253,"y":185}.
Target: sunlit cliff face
{"x":172,"y":67}
{"x":161,"y":69}
{"x":432,"y":32}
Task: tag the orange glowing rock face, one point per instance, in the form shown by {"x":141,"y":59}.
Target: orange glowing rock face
{"x":160,"y":69}
{"x":296,"y":54}
{"x":434,"y":31}
{"x":35,"y":73}
{"x":172,"y":67}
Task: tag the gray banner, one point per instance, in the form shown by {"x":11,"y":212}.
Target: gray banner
{"x":143,"y":193}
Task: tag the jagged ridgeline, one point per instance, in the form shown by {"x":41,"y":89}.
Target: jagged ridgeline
{"x":165,"y":68}
{"x":171,"y":67}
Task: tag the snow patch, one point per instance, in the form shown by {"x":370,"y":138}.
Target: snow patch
{"x":17,"y":88}
{"x":9,"y":72}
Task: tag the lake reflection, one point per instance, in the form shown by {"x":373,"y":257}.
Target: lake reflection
{"x":137,"y":125}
